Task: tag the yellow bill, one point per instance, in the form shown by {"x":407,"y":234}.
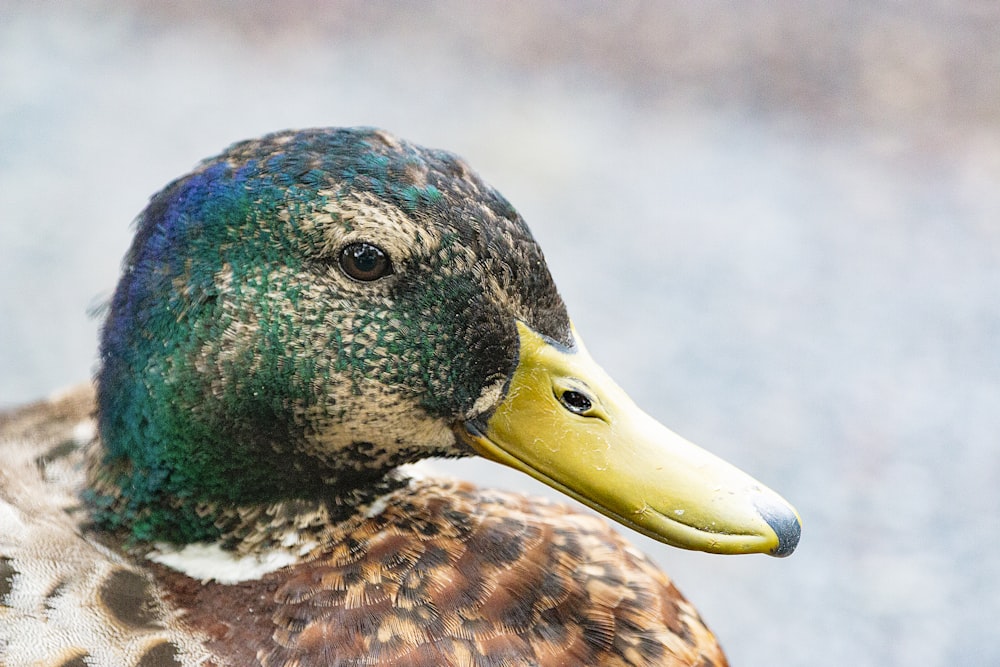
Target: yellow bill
{"x":565,"y":422}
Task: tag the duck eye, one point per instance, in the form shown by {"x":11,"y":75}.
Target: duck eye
{"x":365,"y":262}
{"x":575,"y":402}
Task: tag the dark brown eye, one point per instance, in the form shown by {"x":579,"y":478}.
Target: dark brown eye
{"x":365,"y":262}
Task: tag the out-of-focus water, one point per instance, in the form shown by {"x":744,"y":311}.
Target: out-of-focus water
{"x":779,"y":230}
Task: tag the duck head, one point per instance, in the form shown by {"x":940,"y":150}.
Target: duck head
{"x":307,"y":311}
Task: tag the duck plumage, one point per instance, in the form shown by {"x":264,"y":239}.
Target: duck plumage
{"x":298,"y":320}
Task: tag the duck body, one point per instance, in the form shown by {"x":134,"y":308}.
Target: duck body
{"x":298,"y":320}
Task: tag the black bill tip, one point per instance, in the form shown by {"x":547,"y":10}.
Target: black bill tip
{"x":786,"y":525}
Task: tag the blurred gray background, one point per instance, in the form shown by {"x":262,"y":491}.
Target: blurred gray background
{"x":777,"y":224}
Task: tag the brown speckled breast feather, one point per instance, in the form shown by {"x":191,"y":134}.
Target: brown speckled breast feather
{"x":452,"y":575}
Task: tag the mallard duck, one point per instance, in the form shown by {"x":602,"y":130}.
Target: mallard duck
{"x":299,"y":320}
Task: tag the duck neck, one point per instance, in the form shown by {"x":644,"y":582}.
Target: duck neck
{"x":144,"y":504}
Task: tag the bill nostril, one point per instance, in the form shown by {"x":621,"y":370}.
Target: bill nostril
{"x":576,"y":402}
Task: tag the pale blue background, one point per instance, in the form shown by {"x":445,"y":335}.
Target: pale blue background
{"x":776,"y":223}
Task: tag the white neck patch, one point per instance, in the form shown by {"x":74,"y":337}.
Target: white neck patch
{"x":210,"y":562}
